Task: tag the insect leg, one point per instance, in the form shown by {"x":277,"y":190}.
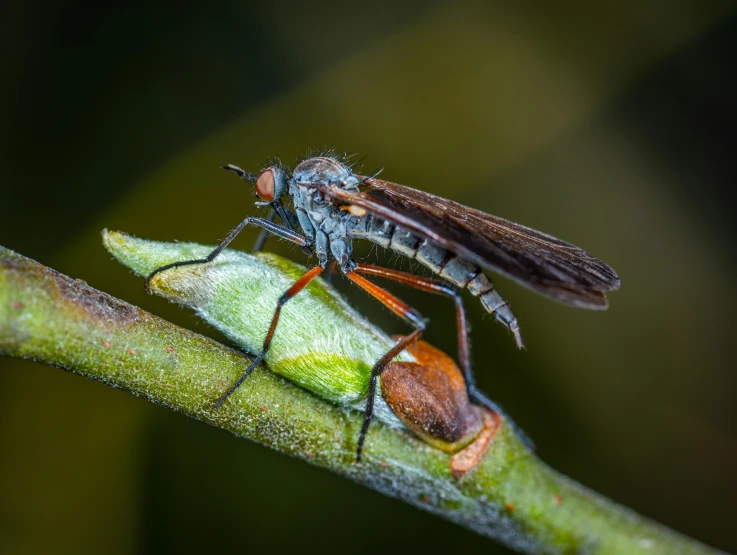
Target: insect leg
{"x":289,"y":294}
{"x":248,"y":176}
{"x":271,"y":227}
{"x":334,"y":268}
{"x":261,"y":239}
{"x":290,"y":215}
{"x":289,"y":218}
{"x":405,"y":312}
{"x":431,"y":286}
{"x":464,"y":350}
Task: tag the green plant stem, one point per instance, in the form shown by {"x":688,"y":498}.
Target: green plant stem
{"x":511,"y":496}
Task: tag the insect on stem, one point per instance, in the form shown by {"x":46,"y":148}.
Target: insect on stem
{"x":332,"y":207}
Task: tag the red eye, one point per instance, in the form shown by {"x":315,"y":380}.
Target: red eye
{"x":265,"y":185}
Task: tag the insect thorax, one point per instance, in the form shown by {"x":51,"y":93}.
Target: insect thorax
{"x":323,"y":170}
{"x":325,"y":224}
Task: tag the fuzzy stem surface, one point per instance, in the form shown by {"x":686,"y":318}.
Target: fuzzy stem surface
{"x":511,"y":496}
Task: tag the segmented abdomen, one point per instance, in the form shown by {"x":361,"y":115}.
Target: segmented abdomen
{"x":446,"y":264}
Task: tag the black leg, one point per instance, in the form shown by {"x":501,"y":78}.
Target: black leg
{"x":271,"y":227}
{"x":288,"y":218}
{"x":291,"y":221}
{"x":289,"y":294}
{"x":375,"y":373}
{"x":405,"y":312}
{"x":263,"y":235}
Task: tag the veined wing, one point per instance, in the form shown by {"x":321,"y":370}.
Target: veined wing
{"x":546,"y":264}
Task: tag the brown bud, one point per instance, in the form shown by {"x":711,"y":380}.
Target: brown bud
{"x":430,"y":397}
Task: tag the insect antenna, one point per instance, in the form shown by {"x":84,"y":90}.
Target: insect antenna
{"x":243,"y":174}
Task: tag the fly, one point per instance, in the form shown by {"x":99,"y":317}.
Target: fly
{"x":331,"y":206}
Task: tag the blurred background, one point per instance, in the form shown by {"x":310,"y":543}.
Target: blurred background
{"x":611,"y":126}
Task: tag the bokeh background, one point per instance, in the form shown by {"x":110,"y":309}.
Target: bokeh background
{"x":611,"y":125}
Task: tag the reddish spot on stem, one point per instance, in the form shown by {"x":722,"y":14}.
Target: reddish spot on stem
{"x":557,"y":499}
{"x":264,"y":408}
{"x":509,"y":508}
{"x":17,"y":305}
{"x":169,"y":349}
{"x":469,"y":457}
{"x":106,"y":343}
{"x":132,"y":351}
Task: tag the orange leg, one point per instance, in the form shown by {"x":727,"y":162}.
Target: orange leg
{"x":464,"y":355}
{"x":432,"y":286}
{"x":290,"y":293}
{"x":405,"y":312}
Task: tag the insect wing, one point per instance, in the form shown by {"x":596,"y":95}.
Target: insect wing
{"x":546,"y":264}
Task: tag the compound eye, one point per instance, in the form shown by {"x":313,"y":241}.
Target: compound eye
{"x":265,"y":185}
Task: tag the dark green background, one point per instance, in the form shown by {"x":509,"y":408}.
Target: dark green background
{"x":613,"y":127}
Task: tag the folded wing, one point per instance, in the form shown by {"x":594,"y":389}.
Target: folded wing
{"x":542,"y":262}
